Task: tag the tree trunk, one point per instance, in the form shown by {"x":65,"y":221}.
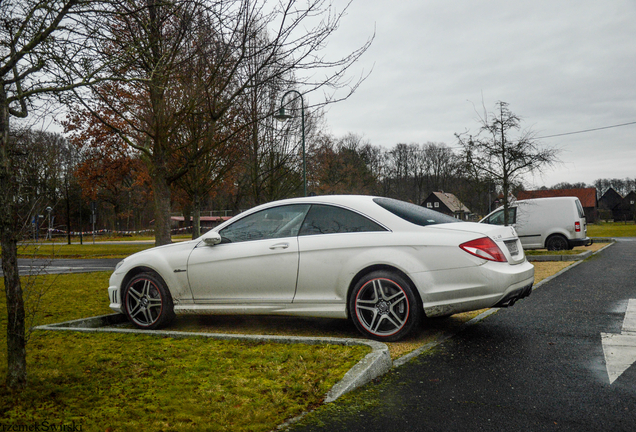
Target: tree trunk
{"x":161,"y":192}
{"x":16,"y":339}
{"x":196,"y":217}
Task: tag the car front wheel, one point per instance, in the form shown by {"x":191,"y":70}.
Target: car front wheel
{"x":383,"y":306}
{"x":147,"y":302}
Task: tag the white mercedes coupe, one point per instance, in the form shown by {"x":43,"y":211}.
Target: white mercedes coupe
{"x":381,"y":262}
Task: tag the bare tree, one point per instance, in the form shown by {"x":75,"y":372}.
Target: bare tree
{"x":152,"y":40}
{"x":43,"y":46}
{"x":343,"y":166}
{"x":502,"y":152}
{"x":622,"y":186}
{"x":416,"y":170}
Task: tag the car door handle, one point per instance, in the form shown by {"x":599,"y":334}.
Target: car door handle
{"x":279,"y":246}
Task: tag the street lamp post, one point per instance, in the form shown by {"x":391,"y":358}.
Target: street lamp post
{"x":48,"y":234}
{"x":282,"y":116}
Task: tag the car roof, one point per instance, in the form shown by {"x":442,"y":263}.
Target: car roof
{"x":360,"y":203}
{"x":363,"y":204}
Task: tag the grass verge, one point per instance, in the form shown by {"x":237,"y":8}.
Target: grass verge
{"x":136,"y":382}
{"x":612,"y":229}
{"x":97,"y":250}
{"x":575,"y":251}
{"x":108,"y":247}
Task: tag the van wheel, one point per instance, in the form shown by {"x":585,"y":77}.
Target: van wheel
{"x":556,"y":243}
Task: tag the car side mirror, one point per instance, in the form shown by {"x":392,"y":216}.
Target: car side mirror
{"x":212,"y":238}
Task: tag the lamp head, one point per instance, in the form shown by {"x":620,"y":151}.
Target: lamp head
{"x":282,"y":115}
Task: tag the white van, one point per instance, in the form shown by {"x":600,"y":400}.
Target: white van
{"x":552,"y":223}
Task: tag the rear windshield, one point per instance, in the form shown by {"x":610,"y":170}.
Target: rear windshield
{"x":413,"y":213}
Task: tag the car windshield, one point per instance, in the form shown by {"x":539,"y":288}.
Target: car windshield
{"x":413,"y":213}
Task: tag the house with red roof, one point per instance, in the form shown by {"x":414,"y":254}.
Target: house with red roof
{"x":587,"y":196}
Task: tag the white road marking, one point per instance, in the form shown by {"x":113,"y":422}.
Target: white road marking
{"x":620,"y":349}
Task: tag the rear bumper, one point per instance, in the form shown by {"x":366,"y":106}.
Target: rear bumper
{"x":580,"y":242}
{"x":515,"y":295}
{"x":460,"y":290}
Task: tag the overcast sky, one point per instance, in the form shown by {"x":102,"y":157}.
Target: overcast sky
{"x":562,"y":65}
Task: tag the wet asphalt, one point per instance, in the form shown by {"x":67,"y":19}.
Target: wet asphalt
{"x":57,"y":266}
{"x":537,"y":366}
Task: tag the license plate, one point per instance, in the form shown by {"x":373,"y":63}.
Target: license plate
{"x":512,"y":247}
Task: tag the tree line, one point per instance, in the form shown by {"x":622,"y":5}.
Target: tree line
{"x":68,"y":173}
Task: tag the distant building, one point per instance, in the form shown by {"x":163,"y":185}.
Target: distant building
{"x":609,"y":200}
{"x":587,"y":196}
{"x":446,"y":203}
{"x":626,"y":209}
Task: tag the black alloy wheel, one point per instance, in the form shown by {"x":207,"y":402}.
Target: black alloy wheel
{"x":384,"y":307}
{"x":147,"y":301}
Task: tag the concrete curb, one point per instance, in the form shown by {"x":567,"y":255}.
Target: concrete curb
{"x":544,"y":258}
{"x":577,"y":257}
{"x":376,"y":363}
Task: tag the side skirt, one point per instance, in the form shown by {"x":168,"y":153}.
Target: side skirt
{"x":309,"y":310}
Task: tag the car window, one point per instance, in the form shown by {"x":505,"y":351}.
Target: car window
{"x":276,"y":222}
{"x":413,"y":213}
{"x":325,"y":219}
{"x":497,"y":218}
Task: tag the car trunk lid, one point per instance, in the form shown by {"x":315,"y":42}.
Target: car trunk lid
{"x":504,"y":236}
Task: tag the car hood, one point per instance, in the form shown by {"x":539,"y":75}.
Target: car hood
{"x":168,"y":251}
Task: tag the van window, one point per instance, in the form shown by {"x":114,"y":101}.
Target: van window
{"x":497,"y":218}
{"x":580,"y":208}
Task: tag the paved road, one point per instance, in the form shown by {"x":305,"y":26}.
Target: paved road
{"x":56,"y":266}
{"x":538,"y":366}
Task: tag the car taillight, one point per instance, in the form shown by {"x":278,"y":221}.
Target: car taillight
{"x":484,"y":248}
{"x":577,"y":226}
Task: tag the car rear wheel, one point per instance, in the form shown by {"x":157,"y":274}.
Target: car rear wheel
{"x":147,"y":301}
{"x":384,"y":307}
{"x":556,"y":242}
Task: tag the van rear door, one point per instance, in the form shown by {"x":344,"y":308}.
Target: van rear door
{"x":583,"y":219}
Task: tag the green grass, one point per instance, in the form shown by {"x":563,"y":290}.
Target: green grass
{"x":612,"y":229}
{"x":577,"y":250}
{"x":96,"y":250}
{"x":122,"y":382}
{"x":547,"y":252}
{"x":60,"y":249}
